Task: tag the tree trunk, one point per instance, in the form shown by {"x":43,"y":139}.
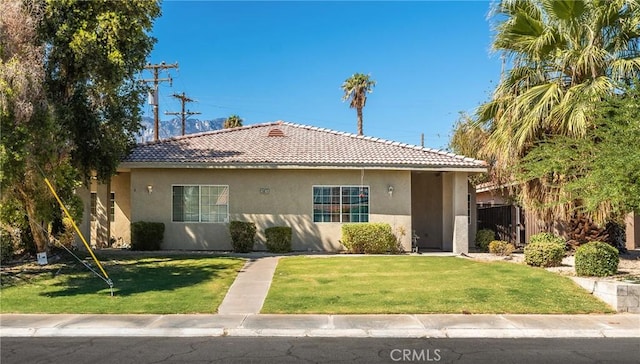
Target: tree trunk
{"x":359,"y":111}
{"x":583,"y":230}
{"x":37,"y":230}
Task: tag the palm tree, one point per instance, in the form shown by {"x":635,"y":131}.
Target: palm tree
{"x":566,"y":55}
{"x":356,"y":88}
{"x":233,"y":121}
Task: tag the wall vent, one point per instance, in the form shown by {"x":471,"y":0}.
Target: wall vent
{"x":275,"y":132}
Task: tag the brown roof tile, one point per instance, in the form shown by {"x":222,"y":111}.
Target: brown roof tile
{"x":287,"y":144}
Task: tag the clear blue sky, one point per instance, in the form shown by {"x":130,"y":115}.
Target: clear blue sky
{"x":268,"y":61}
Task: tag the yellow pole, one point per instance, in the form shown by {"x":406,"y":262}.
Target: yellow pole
{"x":76,"y":228}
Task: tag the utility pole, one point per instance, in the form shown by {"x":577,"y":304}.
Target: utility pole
{"x":154,"y":101}
{"x":184,"y":114}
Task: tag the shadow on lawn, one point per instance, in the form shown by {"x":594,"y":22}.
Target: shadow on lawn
{"x":131,"y":276}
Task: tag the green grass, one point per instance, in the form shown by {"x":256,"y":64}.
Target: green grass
{"x":413,"y":284}
{"x":142,"y":284}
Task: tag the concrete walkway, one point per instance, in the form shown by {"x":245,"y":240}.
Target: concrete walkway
{"x":247,"y":293}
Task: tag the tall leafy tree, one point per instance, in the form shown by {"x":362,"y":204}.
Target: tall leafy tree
{"x":233,"y":121}
{"x":356,"y":89}
{"x":566,"y":56}
{"x":468,"y":138}
{"x":601,"y":169}
{"x":76,"y":111}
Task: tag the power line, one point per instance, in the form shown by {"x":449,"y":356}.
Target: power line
{"x":184,"y":114}
{"x":154,"y":100}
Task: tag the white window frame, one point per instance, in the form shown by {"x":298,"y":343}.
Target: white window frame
{"x":341,"y":211}
{"x":226,"y":219}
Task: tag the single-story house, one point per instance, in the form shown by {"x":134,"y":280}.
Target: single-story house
{"x":283,"y":174}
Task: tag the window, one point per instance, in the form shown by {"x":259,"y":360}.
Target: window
{"x":207,"y":203}
{"x":340,"y":204}
{"x":94,"y":206}
{"x":112,"y":207}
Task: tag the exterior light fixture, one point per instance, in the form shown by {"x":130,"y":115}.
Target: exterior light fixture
{"x":390,"y":190}
{"x":149,"y":188}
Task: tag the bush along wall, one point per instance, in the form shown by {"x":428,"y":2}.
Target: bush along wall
{"x":596,"y":259}
{"x":278,"y":239}
{"x":146,"y":235}
{"x":544,"y":250}
{"x":369,"y":238}
{"x":483,"y":238}
{"x":243,"y":236}
{"x":7,"y":247}
{"x":501,"y":248}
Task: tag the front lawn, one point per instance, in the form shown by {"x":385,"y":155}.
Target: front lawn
{"x":421,"y":284}
{"x":142,"y":284}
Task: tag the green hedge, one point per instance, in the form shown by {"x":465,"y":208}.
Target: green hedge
{"x":502,"y":248}
{"x":483,"y":238}
{"x":243,"y":236}
{"x":7,"y":247}
{"x":278,"y":239}
{"x":369,"y":238}
{"x":596,"y":259}
{"x":146,"y":235}
{"x":546,"y":238}
{"x":544,"y":254}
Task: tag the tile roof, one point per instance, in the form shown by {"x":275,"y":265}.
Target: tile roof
{"x":287,"y":144}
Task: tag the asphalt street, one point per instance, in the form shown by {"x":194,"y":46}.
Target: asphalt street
{"x":139,"y":350}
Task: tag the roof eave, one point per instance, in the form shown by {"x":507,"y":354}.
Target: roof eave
{"x":199,"y":165}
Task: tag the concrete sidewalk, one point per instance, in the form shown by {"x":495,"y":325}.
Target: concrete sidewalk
{"x":403,"y":326}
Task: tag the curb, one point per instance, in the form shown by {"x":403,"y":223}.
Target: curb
{"x":357,"y":333}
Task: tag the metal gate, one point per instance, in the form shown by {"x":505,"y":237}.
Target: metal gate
{"x":501,"y":220}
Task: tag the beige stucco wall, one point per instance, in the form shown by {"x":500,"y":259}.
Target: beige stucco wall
{"x":473,"y":220}
{"x":447,"y":211}
{"x":85,"y":224}
{"x":121,"y":225}
{"x":100,"y":226}
{"x":460,"y":213}
{"x":632,"y":221}
{"x":289,"y":202}
{"x":493,"y":197}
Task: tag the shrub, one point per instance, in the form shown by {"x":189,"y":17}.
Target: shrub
{"x":68,"y":234}
{"x":546,"y":237}
{"x":544,"y":254}
{"x":146,"y":235}
{"x":369,"y":238}
{"x":502,"y":248}
{"x":483,"y":238}
{"x":243,"y":236}
{"x":278,"y":239}
{"x":6,"y":246}
{"x":596,"y":259}
{"x":26,"y":242}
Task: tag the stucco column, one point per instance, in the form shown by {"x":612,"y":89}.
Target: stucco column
{"x":85,"y":223}
{"x":102,"y":215}
{"x":460,"y":208}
